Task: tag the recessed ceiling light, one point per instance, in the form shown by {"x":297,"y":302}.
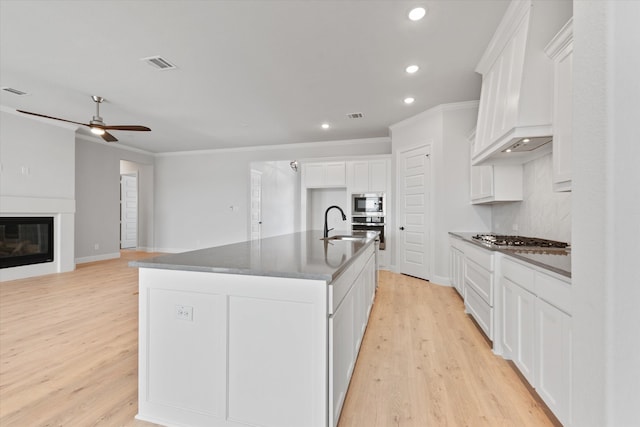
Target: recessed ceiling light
{"x":508,"y":150}
{"x":409,"y":100}
{"x":412,"y":69}
{"x":325,"y":126}
{"x":417,"y":13}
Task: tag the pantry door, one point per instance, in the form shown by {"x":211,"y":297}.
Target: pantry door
{"x":413,"y":207}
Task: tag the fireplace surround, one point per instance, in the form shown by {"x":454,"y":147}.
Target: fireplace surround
{"x":26,"y":240}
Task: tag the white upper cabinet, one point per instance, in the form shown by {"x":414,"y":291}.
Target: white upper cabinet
{"x":560,"y":50}
{"x":516,"y":95}
{"x":368,"y":175}
{"x":323,"y":175}
{"x":495,"y":183}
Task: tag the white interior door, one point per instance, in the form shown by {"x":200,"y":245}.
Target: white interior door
{"x":128,"y":211}
{"x":256,"y":205}
{"x":414,"y":194}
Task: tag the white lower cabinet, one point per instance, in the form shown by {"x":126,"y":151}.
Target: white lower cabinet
{"x":255,"y":350}
{"x":478,"y":287}
{"x":518,"y":328}
{"x":347,"y":325}
{"x":456,"y":264}
{"x":553,"y":345}
{"x":536,"y":331}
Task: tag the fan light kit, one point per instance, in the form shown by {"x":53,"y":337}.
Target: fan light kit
{"x":97,"y":125}
{"x":417,"y":13}
{"x":412,"y":69}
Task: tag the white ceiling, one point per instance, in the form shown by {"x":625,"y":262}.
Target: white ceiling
{"x":250,"y":72}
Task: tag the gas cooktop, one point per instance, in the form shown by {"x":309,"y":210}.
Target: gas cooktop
{"x":498,"y":240}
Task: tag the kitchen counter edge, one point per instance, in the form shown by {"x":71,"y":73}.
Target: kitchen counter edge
{"x":165,"y":262}
{"x":466,"y":236}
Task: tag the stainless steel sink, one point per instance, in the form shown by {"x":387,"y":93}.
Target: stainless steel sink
{"x":344,"y":237}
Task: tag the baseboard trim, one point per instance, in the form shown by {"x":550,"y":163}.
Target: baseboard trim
{"x":94,"y":258}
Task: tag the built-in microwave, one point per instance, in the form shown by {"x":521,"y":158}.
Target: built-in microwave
{"x":368,"y":204}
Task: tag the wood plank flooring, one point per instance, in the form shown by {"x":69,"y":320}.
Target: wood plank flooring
{"x":68,"y":356}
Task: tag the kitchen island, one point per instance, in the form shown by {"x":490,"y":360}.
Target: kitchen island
{"x":260,"y":333}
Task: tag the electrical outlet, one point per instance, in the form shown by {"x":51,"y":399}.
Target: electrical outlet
{"x":96,"y":247}
{"x":514,"y":227}
{"x":184,"y":312}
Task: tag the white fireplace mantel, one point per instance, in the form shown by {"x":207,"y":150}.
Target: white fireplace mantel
{"x":63,"y":213}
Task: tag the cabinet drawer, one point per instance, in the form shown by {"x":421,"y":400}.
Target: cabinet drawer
{"x":480,"y":280}
{"x":519,"y":274}
{"x":480,"y":256}
{"x":481,"y":312}
{"x":554,"y":291}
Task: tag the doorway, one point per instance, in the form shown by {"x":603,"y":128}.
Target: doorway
{"x":129,"y":211}
{"x":414,"y":212}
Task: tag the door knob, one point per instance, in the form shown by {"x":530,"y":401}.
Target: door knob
{"x":401,"y":228}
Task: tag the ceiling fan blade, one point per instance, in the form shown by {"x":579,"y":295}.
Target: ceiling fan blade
{"x":126,"y":127}
{"x":108,"y":137}
{"x":53,"y":118}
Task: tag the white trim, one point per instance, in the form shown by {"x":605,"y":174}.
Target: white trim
{"x":435,"y":110}
{"x":277,"y":147}
{"x":58,"y":123}
{"x":119,"y":145}
{"x":94,"y":258}
{"x":441,"y":281}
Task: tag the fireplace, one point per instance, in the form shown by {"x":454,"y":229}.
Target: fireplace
{"x":25,"y":241}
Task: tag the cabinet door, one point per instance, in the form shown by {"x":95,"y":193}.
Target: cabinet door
{"x":518,"y":327}
{"x":314,"y":174}
{"x":359,"y":176}
{"x":562,"y":119}
{"x":481,"y":182}
{"x":335,"y":174}
{"x":554,"y":359}
{"x":457,"y":270}
{"x":378,"y":175}
{"x":341,"y":354}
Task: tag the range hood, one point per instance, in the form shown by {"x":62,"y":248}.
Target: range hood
{"x":515,"y":117}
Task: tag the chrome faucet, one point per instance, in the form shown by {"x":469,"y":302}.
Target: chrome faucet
{"x":326,"y":227}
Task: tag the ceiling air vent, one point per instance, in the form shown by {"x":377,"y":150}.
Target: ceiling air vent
{"x":355,"y":115}
{"x":14,"y":91}
{"x":159,"y":62}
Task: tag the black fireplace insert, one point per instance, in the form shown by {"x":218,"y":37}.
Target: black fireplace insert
{"x":25,"y":240}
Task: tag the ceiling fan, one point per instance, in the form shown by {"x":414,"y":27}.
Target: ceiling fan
{"x":97,"y":125}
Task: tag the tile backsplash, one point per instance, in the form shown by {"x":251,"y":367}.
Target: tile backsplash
{"x":543,"y":213}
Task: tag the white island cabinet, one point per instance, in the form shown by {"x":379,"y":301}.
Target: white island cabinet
{"x":262,"y":333}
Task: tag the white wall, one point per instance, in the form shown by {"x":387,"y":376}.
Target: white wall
{"x":37,"y":178}
{"x":196,"y":190}
{"x":98,"y":199}
{"x":45,"y":150}
{"x":606,"y":214}
{"x":543,"y":212}
{"x":318,"y":200}
{"x":445,"y":129}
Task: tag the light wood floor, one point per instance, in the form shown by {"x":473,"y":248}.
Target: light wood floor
{"x":68,"y":357}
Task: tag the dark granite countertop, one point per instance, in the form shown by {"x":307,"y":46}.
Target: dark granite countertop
{"x":556,"y":260}
{"x":302,"y":255}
